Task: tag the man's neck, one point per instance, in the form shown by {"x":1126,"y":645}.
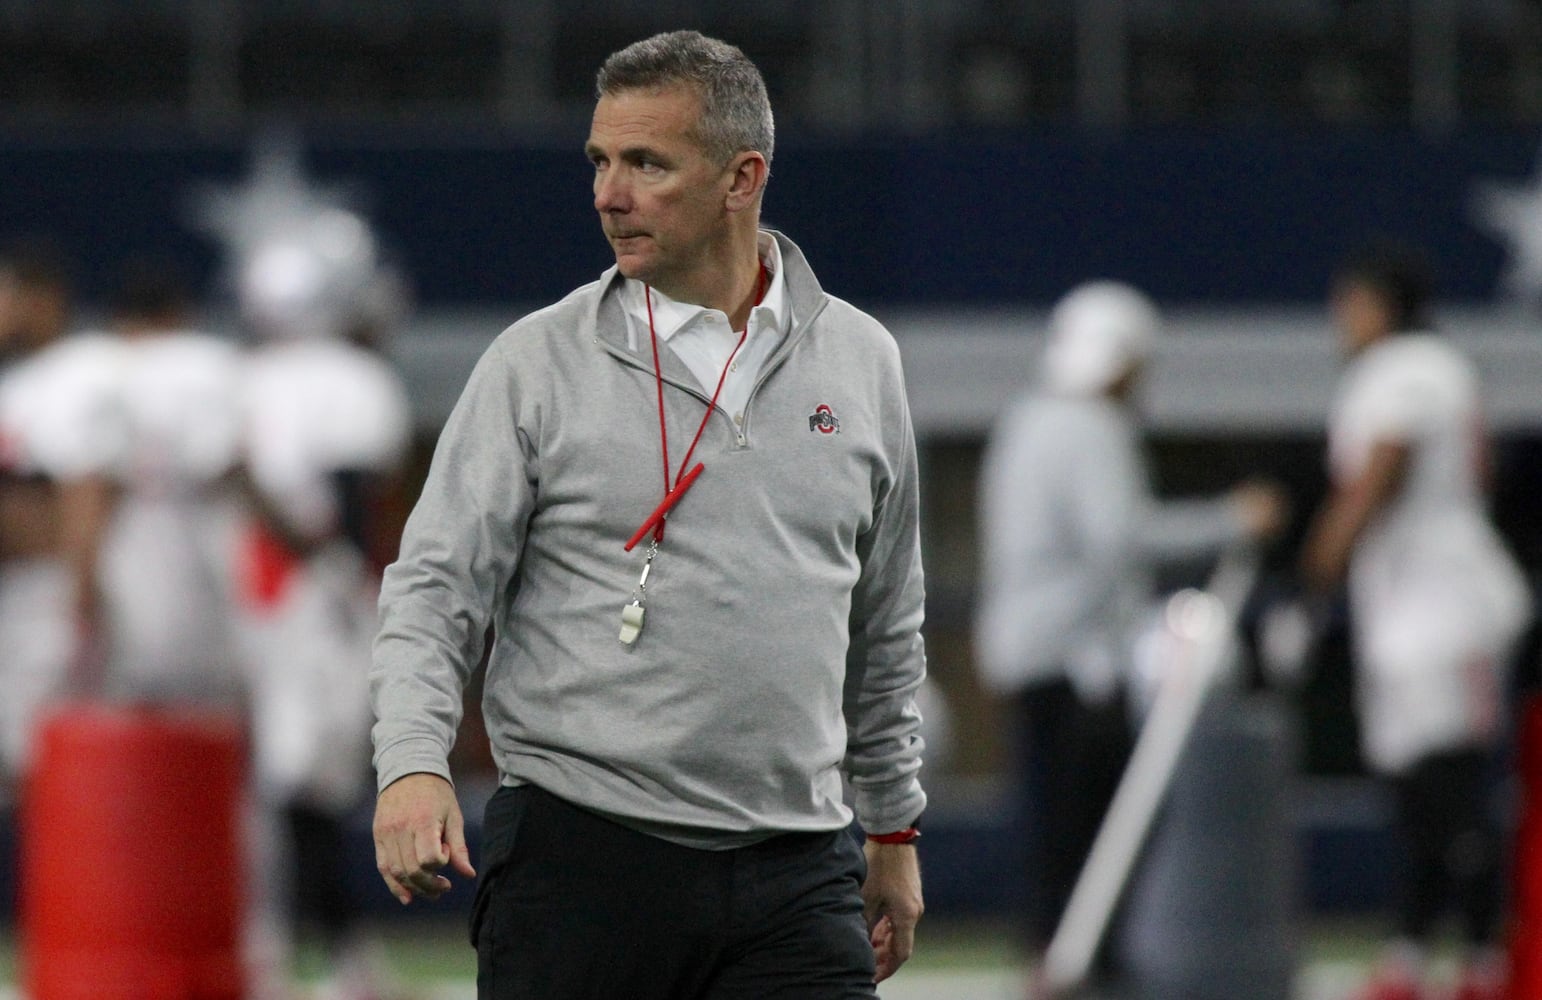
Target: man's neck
{"x":733,"y":289}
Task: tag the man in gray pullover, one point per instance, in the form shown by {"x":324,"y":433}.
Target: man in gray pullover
{"x":671,"y":712}
{"x":1073,"y":537}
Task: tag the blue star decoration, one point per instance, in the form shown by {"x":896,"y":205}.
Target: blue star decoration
{"x":1512,"y":214}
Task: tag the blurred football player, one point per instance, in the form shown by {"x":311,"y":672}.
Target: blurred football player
{"x":35,"y":623}
{"x":1436,"y":604}
{"x":326,"y":426}
{"x":150,"y":418}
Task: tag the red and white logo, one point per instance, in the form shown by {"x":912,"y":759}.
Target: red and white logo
{"x":824,"y":420}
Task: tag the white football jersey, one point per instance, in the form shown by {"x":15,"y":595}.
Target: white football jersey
{"x":314,"y":408}
{"x":1415,"y":389}
{"x":1436,"y":599}
{"x":160,"y":415}
{"x":179,"y":407}
{"x":57,"y":409}
{"x":155,"y":414}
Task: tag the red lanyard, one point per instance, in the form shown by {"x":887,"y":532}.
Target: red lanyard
{"x":683,"y":479}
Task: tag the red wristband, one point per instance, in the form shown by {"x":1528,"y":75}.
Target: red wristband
{"x":909,"y":835}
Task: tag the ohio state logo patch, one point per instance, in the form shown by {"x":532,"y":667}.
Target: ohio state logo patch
{"x":824,"y":420}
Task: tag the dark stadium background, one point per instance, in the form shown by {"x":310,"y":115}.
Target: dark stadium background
{"x":937,"y":161}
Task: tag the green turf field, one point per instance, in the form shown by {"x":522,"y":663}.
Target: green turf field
{"x":955,"y":959}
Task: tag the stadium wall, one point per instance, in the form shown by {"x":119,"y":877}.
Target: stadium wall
{"x":1193,"y":214}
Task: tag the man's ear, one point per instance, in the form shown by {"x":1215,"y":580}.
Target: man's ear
{"x":747,"y":178}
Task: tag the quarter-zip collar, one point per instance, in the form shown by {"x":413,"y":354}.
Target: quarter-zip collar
{"x":803,"y":295}
{"x":671,"y":317}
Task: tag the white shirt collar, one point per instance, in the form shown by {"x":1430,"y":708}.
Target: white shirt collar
{"x":670,"y":317}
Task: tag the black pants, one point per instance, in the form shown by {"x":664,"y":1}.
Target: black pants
{"x":1453,"y":846}
{"x":1073,"y":756}
{"x":571,"y":906}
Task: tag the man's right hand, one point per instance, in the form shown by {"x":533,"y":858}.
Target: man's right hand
{"x":418,"y":831}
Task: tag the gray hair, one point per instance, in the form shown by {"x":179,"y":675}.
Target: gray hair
{"x":735,"y":111}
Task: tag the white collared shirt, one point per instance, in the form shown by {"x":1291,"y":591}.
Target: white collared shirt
{"x":703,"y":340}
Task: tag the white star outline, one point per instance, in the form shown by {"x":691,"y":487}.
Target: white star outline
{"x":276,"y":198}
{"x":1512,"y":214}
{"x":279,"y":223}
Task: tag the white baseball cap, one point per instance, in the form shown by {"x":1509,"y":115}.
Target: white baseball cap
{"x":1097,"y":332}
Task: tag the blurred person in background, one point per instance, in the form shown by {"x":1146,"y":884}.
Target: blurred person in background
{"x":1436,"y":604}
{"x":36,"y":625}
{"x":670,"y":824}
{"x":151,"y":419}
{"x":327,"y":425}
{"x":1071,"y":538}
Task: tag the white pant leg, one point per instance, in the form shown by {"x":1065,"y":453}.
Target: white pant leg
{"x":37,"y":639}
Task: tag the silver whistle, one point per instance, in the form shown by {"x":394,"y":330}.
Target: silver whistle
{"x":632,"y":614}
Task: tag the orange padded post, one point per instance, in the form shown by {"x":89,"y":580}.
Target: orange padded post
{"x":131,"y":857}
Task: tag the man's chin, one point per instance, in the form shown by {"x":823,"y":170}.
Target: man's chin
{"x":633,"y":266}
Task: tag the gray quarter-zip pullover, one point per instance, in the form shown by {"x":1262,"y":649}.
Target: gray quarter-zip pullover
{"x":781,"y":644}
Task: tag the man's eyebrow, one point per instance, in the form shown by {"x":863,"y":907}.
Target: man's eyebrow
{"x":627,"y":154}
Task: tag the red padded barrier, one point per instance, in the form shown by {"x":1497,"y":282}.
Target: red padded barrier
{"x":1526,"y":912}
{"x":130,"y":876}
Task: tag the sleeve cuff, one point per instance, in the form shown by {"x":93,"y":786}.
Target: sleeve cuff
{"x":884,"y":810}
{"x":415,"y":755}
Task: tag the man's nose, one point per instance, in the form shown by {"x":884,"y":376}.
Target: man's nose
{"x":610,"y":192}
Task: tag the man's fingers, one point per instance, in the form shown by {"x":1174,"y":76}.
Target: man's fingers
{"x":383,"y":865}
{"x":398,"y":858}
{"x":893,"y":942}
{"x":402,"y":893}
{"x":429,"y":853}
{"x":430,"y":886}
{"x":882,"y":938}
{"x":427,"y":881}
{"x":422,"y":857}
{"x":388,"y":861}
{"x":455,"y":836}
{"x":902,"y":941}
